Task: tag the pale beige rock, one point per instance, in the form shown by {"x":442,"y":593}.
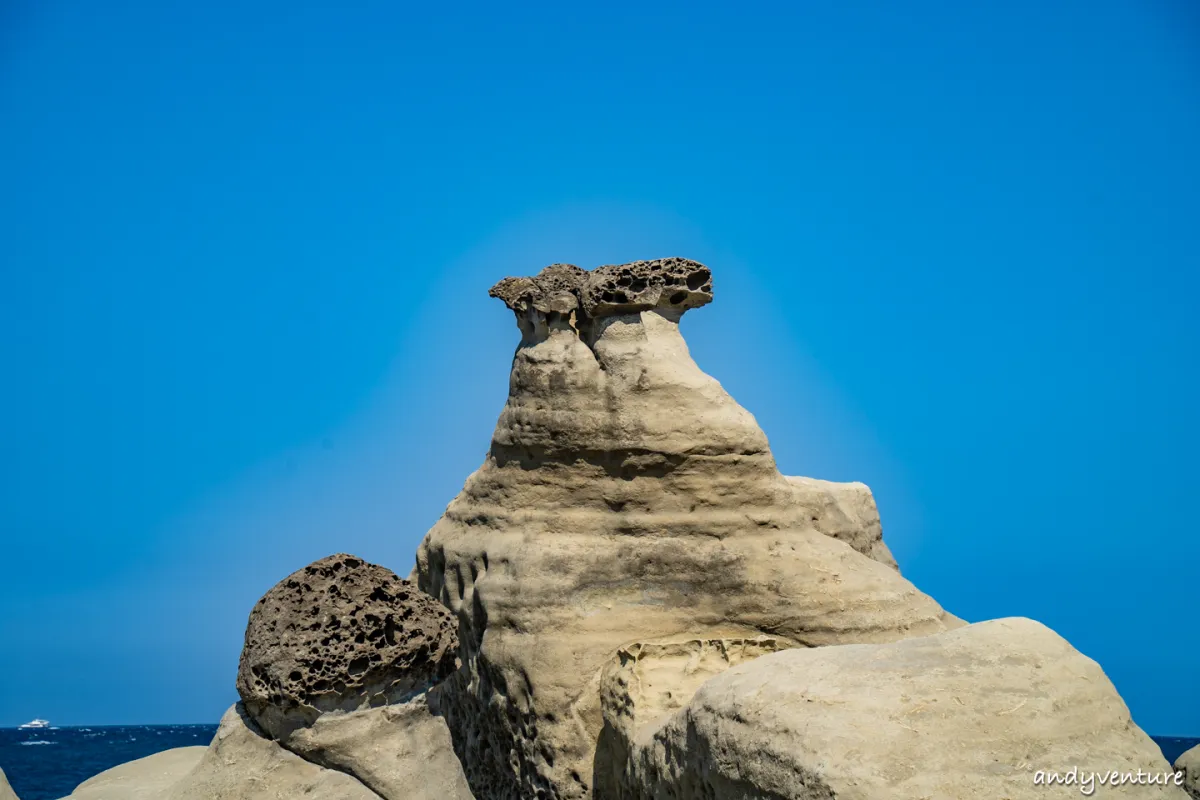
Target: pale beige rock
{"x":972,"y":713}
{"x":6,"y":791}
{"x":645,"y":683}
{"x":626,"y":497}
{"x":1189,"y":765}
{"x":242,"y":764}
{"x":401,"y":751}
{"x":847,"y":512}
{"x":148,"y":778}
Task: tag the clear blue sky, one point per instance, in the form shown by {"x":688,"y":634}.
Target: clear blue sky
{"x":245,"y":251}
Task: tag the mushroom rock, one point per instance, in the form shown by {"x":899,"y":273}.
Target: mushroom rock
{"x":627,"y":497}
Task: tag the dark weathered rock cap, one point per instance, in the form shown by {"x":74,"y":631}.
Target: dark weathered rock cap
{"x":666,"y":283}
{"x":341,"y":634}
{"x":675,"y":284}
{"x":554,"y":289}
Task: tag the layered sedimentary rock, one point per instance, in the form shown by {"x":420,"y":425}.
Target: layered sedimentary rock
{"x":996,"y":709}
{"x":1189,"y":765}
{"x":847,"y":512}
{"x":626,"y":497}
{"x":149,"y":778}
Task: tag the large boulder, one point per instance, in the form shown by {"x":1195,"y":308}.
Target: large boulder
{"x":1189,"y":765}
{"x":148,"y":778}
{"x":626,"y":497}
{"x":340,"y":635}
{"x":341,"y":668}
{"x":997,"y":709}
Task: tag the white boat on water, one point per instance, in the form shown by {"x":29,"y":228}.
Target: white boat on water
{"x":36,"y":724}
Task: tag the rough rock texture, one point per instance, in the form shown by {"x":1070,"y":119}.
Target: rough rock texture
{"x":554,"y":289}
{"x":340,"y":635}
{"x":847,"y":512}
{"x":647,"y":682}
{"x":1189,"y":765}
{"x":6,"y":791}
{"x":668,"y":283}
{"x":972,"y":713}
{"x":401,"y":752}
{"x":626,"y":497}
{"x":147,"y":778}
{"x":243,"y":764}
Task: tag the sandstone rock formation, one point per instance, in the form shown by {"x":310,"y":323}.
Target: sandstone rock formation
{"x":628,"y":600}
{"x":148,"y":778}
{"x":6,"y":791}
{"x":847,"y":512}
{"x":1189,"y":765}
{"x":626,"y":497}
{"x":646,"y":682}
{"x":243,"y":764}
{"x":974,"y":712}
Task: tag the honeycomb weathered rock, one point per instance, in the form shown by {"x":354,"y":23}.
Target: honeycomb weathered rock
{"x":340,"y":634}
{"x":556,"y":288}
{"x":665,"y":283}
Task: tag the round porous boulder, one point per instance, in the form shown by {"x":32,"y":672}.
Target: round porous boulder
{"x":341,"y":635}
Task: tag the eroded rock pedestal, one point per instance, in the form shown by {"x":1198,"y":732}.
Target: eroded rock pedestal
{"x":626,"y":497}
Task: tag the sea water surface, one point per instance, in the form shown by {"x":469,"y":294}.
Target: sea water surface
{"x":48,"y":764}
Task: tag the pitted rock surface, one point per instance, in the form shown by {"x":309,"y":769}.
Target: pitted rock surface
{"x":554,"y":289}
{"x":665,"y":283}
{"x":340,"y":634}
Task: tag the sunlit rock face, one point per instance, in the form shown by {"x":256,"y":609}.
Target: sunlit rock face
{"x":997,"y":709}
{"x":627,"y":497}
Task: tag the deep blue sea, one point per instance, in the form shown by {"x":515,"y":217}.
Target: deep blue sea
{"x":48,"y":764}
